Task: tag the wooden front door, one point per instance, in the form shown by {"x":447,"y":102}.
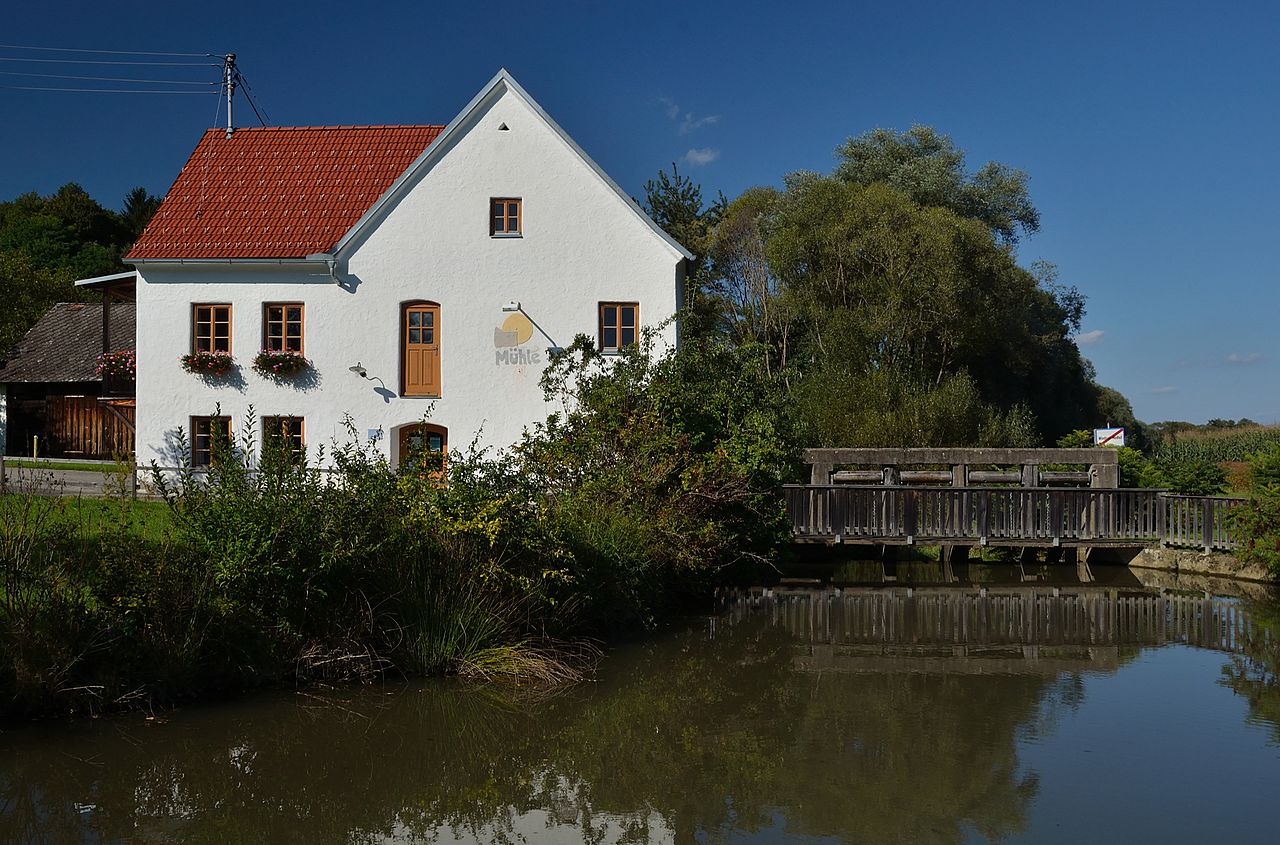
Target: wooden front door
{"x":423,"y":447}
{"x":421,"y":350}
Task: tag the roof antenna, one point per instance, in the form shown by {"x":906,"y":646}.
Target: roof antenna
{"x":229,"y":82}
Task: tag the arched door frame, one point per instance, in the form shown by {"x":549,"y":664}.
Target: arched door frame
{"x":402,"y":433}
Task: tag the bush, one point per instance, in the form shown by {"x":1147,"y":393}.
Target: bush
{"x":1258,"y":520}
{"x":882,"y":408}
{"x":661,"y":470}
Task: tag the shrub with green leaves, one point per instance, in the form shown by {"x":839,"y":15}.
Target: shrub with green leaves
{"x":661,"y":469}
{"x":1258,"y":520}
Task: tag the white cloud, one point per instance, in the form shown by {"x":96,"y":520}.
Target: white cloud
{"x":699,"y":157}
{"x":1168,"y":388}
{"x":1090,"y":338}
{"x":1251,"y":358}
{"x":691,"y":123}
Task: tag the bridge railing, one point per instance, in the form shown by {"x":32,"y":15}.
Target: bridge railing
{"x":1036,"y":516}
{"x":1200,"y":521}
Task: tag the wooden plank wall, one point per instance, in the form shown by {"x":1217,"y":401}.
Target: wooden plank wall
{"x":81,"y":426}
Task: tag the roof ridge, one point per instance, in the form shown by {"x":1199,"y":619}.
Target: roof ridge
{"x":335,"y":127}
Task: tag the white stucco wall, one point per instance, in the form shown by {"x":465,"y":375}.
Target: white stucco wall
{"x":581,"y":244}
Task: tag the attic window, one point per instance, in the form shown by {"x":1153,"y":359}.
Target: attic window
{"x":505,"y":217}
{"x":502,"y":127}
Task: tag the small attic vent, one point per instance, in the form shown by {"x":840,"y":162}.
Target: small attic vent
{"x":502,"y":127}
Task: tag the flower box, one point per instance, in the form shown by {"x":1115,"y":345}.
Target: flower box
{"x":121,"y":365}
{"x":280,"y":363}
{"x":208,"y":363}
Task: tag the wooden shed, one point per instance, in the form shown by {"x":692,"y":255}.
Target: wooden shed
{"x":53,"y":403}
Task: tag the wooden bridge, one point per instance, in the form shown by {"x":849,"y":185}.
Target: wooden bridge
{"x":967,"y":497}
{"x":1011,"y":517}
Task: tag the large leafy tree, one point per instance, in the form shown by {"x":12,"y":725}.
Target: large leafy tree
{"x":46,"y":242}
{"x":889,"y":297}
{"x":930,"y":169}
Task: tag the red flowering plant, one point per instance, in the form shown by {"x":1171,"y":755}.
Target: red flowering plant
{"x":208,"y":363}
{"x":280,"y":363}
{"x":121,"y":364}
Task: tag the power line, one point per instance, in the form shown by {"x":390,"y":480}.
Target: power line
{"x":101,"y":90}
{"x":106,"y":78}
{"x":107,"y":62}
{"x":104,"y":52}
{"x":248,"y":95}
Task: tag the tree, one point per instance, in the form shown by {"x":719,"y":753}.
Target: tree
{"x":139,"y":207}
{"x":754,"y":308}
{"x":45,"y":244}
{"x":930,"y":169}
{"x":675,"y":203}
{"x":27,"y":292}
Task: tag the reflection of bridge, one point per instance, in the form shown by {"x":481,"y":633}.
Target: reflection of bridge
{"x":1007,"y":629}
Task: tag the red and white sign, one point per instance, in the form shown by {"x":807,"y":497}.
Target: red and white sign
{"x":1108,"y":437}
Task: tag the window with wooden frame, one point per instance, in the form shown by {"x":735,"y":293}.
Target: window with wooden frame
{"x":282,"y":326}
{"x":420,"y":349}
{"x":210,"y":439}
{"x":504,"y":216}
{"x":211,"y":328}
{"x":283,"y":436}
{"x":424,"y":448}
{"x":619,"y":325}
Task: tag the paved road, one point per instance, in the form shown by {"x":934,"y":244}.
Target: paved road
{"x":64,"y":482}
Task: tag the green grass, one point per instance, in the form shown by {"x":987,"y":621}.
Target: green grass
{"x":149,"y":518}
{"x":91,"y":518}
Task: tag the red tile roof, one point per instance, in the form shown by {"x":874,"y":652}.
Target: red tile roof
{"x":278,"y":192}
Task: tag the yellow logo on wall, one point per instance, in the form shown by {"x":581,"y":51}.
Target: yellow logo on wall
{"x":515,"y":330}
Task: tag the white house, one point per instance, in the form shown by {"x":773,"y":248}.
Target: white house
{"x":423,"y":270}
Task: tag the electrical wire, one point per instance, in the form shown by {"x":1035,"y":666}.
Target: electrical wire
{"x":107,"y":78}
{"x":101,"y":90}
{"x":105,"y":52}
{"x":107,"y":62}
{"x":248,"y":95}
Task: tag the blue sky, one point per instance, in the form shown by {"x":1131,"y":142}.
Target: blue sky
{"x":1150,"y":130}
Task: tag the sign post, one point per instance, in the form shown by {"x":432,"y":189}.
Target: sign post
{"x":1108,"y":437}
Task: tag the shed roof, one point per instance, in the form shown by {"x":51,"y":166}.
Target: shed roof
{"x":63,"y":346}
{"x":277,"y":192}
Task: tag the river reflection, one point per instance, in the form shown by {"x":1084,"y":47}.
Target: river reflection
{"x":860,"y":715}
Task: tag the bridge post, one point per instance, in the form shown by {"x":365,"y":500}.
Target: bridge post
{"x":1206,"y":519}
{"x":820,"y":473}
{"x":1162,"y":507}
{"x":909,"y":516}
{"x":984,"y":516}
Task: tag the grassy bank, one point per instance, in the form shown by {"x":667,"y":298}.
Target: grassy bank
{"x":657,"y":476}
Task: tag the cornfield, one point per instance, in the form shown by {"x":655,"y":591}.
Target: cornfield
{"x":1219,"y":446}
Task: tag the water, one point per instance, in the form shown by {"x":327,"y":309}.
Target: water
{"x":1118,"y":713}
